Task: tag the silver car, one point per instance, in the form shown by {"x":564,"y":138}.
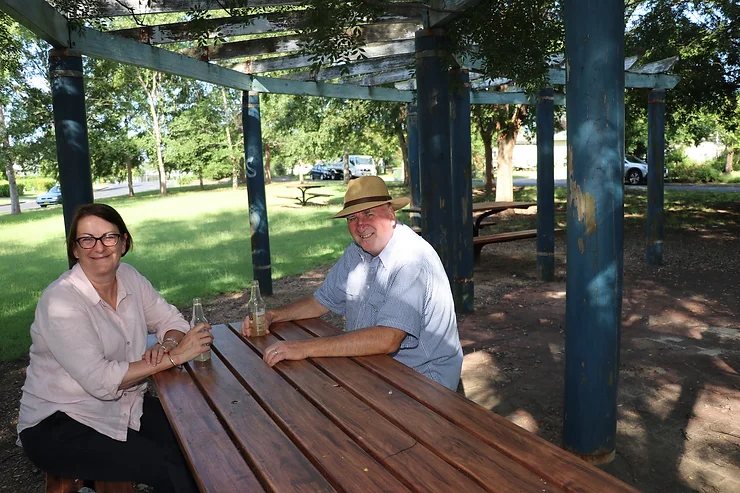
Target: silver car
{"x":52,"y":197}
{"x":636,"y":170}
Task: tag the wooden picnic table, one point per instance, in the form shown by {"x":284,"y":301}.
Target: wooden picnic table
{"x":482,"y":210}
{"x":487,"y":209}
{"x":362,"y":424}
{"x":306,"y":194}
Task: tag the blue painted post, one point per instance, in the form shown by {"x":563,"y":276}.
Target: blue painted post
{"x":433,"y":105}
{"x":256,"y":191}
{"x":70,"y":126}
{"x":656,"y":163}
{"x":414,"y":171}
{"x":594,"y":46}
{"x":545,"y":186}
{"x":462,"y":192}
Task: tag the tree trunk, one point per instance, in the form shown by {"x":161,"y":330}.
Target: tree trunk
{"x":15,"y":203}
{"x":489,"y":176}
{"x":129,"y":175}
{"x":232,"y":156}
{"x":403,"y":144}
{"x":268,"y":158}
{"x":200,"y":178}
{"x":505,"y":175}
{"x":242,"y":171}
{"x":346,"y":167}
{"x":729,"y":160}
{"x":153,"y":95}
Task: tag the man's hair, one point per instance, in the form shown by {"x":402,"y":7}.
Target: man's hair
{"x":103,"y":211}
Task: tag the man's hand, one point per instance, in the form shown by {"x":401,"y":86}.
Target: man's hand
{"x":284,"y":350}
{"x":246,"y":329}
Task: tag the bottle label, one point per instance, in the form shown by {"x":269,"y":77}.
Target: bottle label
{"x":258,"y":323}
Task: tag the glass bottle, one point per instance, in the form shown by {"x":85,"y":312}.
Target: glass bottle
{"x":257,"y":309}
{"x":199,"y":318}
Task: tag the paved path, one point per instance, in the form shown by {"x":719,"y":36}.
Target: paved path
{"x":110,"y":191}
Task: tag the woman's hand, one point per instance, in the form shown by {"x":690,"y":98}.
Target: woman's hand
{"x":197,"y":340}
{"x":154,"y":354}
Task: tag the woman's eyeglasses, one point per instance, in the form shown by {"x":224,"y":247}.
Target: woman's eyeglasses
{"x":108,"y":239}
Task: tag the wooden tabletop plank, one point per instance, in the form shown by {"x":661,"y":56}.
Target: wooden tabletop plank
{"x":551,"y":462}
{"x":344,"y":463}
{"x":420,"y":469}
{"x":490,"y":468}
{"x":218,"y":464}
{"x":280,"y":464}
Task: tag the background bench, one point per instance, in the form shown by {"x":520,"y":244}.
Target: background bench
{"x":480,"y":241}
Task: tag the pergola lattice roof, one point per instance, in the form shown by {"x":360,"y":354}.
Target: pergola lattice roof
{"x":261,"y":51}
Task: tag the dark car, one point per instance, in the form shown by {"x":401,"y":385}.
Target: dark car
{"x":324,"y":172}
{"x":52,"y":197}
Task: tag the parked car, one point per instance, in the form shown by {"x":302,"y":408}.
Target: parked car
{"x":52,"y":197}
{"x":326,"y":172}
{"x":636,"y":170}
{"x":362,"y":166}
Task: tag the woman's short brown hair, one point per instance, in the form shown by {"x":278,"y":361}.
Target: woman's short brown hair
{"x":103,"y":211}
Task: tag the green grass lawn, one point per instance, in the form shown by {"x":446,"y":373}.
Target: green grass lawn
{"x":188,"y":244}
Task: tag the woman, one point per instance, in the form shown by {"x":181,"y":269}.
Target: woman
{"x":83,"y":413}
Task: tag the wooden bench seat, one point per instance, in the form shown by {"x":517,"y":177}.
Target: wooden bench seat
{"x":480,"y":241}
{"x":58,"y":484}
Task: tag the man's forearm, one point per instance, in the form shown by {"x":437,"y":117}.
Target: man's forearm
{"x":307,"y":307}
{"x":363,"y":342}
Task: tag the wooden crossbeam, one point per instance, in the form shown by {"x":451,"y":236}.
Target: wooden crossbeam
{"x":371,"y":33}
{"x":250,"y":25}
{"x":266,"y":65}
{"x":355,"y":69}
{"x":113,"y":8}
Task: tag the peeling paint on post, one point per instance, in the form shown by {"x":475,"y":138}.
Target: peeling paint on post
{"x":433,"y":107}
{"x":655,"y":189}
{"x":595,"y":87}
{"x":261,"y":267}
{"x":462,"y":191}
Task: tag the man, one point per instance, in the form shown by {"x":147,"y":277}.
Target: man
{"x":391,"y":287}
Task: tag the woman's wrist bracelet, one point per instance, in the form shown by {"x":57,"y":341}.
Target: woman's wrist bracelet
{"x":171,"y":360}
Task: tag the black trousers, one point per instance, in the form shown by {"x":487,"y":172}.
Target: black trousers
{"x":61,"y":446}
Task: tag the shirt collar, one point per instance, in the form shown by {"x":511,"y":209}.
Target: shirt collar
{"x":85,"y":287}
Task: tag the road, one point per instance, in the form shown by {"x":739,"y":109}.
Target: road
{"x":109,"y":191}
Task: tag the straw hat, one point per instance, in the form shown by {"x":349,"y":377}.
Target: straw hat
{"x":367,"y":192}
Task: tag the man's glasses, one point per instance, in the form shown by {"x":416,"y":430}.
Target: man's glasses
{"x":108,"y":239}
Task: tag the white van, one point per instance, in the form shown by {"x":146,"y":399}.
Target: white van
{"x":362,"y":166}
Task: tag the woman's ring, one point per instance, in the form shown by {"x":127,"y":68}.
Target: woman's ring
{"x":275,"y":351}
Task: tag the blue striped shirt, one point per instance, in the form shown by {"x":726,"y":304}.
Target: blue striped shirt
{"x":405,"y":287}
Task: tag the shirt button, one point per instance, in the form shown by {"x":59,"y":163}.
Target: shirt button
{"x":128,"y":343}
{"x":125,"y":414}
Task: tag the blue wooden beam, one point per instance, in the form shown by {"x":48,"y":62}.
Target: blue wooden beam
{"x":546,"y":186}
{"x":433,"y":105}
{"x":656,"y":163}
{"x":70,"y":127}
{"x":260,"y":236}
{"x":594,"y":44}
{"x":462,"y":192}
{"x":412,"y":129}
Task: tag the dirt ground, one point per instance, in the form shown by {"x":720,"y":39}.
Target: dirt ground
{"x":679,"y":385}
